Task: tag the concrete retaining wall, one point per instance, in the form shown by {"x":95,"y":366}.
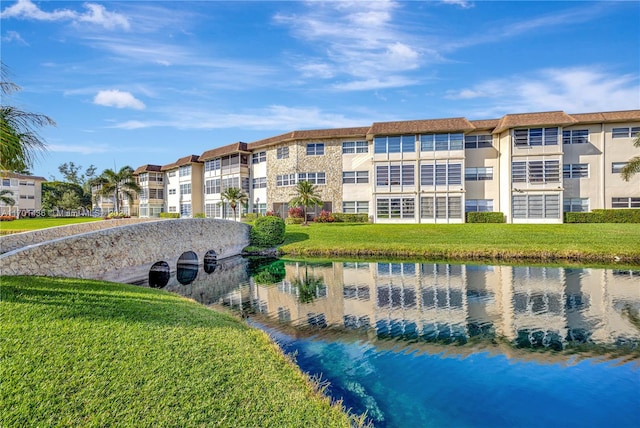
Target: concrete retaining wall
{"x":125,"y":253}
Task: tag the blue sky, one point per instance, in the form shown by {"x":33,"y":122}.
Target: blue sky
{"x":131,"y":83}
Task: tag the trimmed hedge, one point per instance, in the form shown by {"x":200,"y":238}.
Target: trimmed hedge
{"x":293,"y":220}
{"x":169,"y":215}
{"x":604,"y":216}
{"x":267,"y":232}
{"x":350,"y":218}
{"x":485,"y":217}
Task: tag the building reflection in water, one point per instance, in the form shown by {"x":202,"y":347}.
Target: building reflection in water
{"x":532,"y":307}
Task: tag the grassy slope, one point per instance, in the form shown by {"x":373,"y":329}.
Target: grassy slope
{"x":25,"y":224}
{"x":89,"y":353}
{"x":584,"y":242}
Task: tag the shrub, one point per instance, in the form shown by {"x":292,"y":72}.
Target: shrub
{"x":324,"y":217}
{"x":271,"y":214}
{"x":296,"y":212}
{"x":294,"y":220}
{"x":485,"y":217}
{"x":267,"y":231}
{"x":250,"y":217}
{"x":7,"y":217}
{"x":199,"y":215}
{"x":169,"y":215}
{"x":115,"y":215}
{"x":350,"y":218}
{"x":604,"y":216}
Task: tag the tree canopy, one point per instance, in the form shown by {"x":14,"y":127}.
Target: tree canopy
{"x":633,"y":166}
{"x":306,"y":196}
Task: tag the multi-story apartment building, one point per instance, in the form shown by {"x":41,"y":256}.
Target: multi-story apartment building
{"x":26,"y":192}
{"x":150,"y":178}
{"x":184,"y":186}
{"x":531,"y":167}
{"x":224,"y":167}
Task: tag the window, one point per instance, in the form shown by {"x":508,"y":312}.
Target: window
{"x":172,"y":209}
{"x":185,"y":189}
{"x":185,"y":171}
{"x":439,"y":142}
{"x":313,"y":177}
{"x":625,"y":132}
{"x":616,"y":167}
{"x":286,"y":180}
{"x":351,"y":147}
{"x":397,"y":144}
{"x":212,"y":165}
{"x":171,"y":174}
{"x":259,"y":157}
{"x":260,"y":208}
{"x":477,"y":141}
{"x":315,"y":149}
{"x":6,"y":182}
{"x":282,"y":152}
{"x":156,"y":193}
{"x":478,"y":174}
{"x":230,"y":182}
{"x":172,"y":191}
{"x":538,"y":172}
{"x":259,"y":183}
{"x":575,"y":170}
{"x":212,"y":186}
{"x":478,"y":205}
{"x":395,"y":175}
{"x":185,"y":210}
{"x":625,"y":202}
{"x":395,"y":208}
{"x":440,"y":207}
{"x":576,"y":205}
{"x":575,"y":136}
{"x":535,"y":137}
{"x":536,"y":206}
{"x":358,"y":207}
{"x":355,"y":177}
{"x":440,"y":174}
{"x":213,"y":210}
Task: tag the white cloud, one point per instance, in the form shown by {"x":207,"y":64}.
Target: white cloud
{"x":89,"y":149}
{"x":574,"y":90}
{"x":464,"y":4}
{"x":95,"y":14}
{"x":274,"y":117}
{"x":355,"y":40}
{"x":14,"y":36}
{"x":119,"y":99}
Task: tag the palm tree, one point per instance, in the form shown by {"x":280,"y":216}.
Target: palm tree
{"x":307,"y":196}
{"x":234,"y":196}
{"x":117,"y":184}
{"x":19,"y":142}
{"x":633,"y":166}
{"x":8,"y":200}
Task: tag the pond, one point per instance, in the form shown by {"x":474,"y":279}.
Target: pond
{"x":419,"y":344}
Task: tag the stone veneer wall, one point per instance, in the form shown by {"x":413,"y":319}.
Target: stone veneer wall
{"x":298,"y":161}
{"x":126,"y":253}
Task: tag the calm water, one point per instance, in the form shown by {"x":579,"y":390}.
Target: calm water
{"x":445,"y":345}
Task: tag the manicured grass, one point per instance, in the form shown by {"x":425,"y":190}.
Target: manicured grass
{"x":25,"y":224}
{"x":89,"y":353}
{"x":536,"y":242}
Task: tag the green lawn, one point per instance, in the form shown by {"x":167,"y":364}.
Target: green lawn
{"x":569,"y":242}
{"x":89,"y":353}
{"x":26,"y":224}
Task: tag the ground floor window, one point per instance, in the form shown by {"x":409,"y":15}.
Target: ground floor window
{"x":536,"y":206}
{"x":395,"y":208}
{"x":478,"y":205}
{"x":576,"y":205}
{"x":213,"y":210}
{"x":355,"y":207}
{"x":260,"y":209}
{"x":185,"y":210}
{"x":440,"y":207}
{"x":631,"y":202}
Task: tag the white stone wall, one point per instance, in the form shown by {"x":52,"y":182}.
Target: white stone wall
{"x":127,"y":252}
